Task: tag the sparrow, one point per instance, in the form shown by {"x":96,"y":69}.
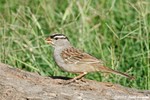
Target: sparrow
{"x":73,"y":60}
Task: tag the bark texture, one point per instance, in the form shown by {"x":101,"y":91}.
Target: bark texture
{"x":16,"y":84}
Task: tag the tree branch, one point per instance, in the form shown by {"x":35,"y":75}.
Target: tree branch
{"x":16,"y":84}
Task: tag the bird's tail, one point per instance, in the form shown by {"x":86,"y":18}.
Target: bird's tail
{"x":119,"y":73}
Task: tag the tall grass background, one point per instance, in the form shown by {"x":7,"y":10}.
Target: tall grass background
{"x":116,"y":31}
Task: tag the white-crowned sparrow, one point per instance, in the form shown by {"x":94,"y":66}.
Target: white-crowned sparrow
{"x":73,"y":60}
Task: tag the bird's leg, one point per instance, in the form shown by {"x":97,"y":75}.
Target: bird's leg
{"x":77,"y":77}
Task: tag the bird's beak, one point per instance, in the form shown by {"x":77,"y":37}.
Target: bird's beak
{"x":48,"y":40}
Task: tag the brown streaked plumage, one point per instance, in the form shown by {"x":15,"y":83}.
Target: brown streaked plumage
{"x":73,"y":60}
{"x":78,"y":57}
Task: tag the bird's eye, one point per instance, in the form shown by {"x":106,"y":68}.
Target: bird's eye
{"x":56,"y":38}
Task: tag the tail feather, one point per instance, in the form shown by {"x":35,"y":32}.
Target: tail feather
{"x":119,"y":73}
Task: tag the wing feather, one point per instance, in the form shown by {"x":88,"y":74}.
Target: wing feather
{"x":72,"y":55}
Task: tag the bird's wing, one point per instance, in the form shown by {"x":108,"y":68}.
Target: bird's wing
{"x":73,"y":55}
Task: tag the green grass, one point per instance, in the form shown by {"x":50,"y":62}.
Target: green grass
{"x":116,"y":31}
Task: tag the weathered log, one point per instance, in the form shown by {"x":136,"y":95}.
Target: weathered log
{"x":16,"y":84}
